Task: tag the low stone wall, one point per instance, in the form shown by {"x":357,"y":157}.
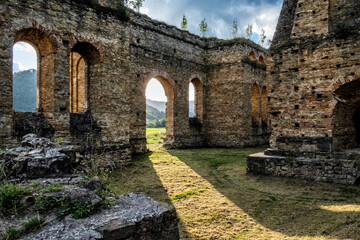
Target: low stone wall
{"x":341,"y":167}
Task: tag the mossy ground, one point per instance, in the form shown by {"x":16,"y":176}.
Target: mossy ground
{"x":216,"y":199}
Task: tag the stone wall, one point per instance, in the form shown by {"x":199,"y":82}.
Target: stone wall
{"x":313,"y":77}
{"x":103,"y":109}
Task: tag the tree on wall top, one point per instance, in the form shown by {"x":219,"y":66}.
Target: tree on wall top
{"x":249,"y":31}
{"x":184,"y":23}
{"x":234,"y":29}
{"x":203,"y":27}
{"x":262,"y":37}
{"x":136,"y":4}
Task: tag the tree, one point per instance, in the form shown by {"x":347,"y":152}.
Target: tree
{"x":184,"y":23}
{"x":136,"y":4}
{"x":234,"y":29}
{"x":249,"y":31}
{"x":262,"y":37}
{"x":203,"y":27}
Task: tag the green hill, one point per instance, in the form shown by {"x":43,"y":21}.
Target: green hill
{"x":24,"y":91}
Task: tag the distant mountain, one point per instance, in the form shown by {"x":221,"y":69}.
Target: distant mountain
{"x":161,"y":106}
{"x":24,"y":91}
{"x":153,"y":113}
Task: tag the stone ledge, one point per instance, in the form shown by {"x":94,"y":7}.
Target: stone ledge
{"x":134,"y":216}
{"x":332,"y":170}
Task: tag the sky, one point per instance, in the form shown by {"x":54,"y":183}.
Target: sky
{"x":219,"y":14}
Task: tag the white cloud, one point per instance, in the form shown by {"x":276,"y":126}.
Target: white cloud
{"x":23,"y":46}
{"x":145,"y":10}
{"x":17,"y":67}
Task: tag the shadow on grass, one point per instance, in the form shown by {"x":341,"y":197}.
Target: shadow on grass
{"x":294,"y":207}
{"x":141,"y":176}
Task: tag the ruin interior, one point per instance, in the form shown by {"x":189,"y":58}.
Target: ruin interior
{"x":95,"y":60}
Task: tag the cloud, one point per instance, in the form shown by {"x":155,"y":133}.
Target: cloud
{"x":17,"y":67}
{"x":23,"y":46}
{"x":262,"y":14}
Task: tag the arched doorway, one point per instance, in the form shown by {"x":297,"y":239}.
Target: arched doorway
{"x":167,"y":85}
{"x":346,"y":117}
{"x":25,"y":80}
{"x":45,"y":66}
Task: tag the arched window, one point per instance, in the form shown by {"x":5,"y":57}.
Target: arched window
{"x":252,"y":56}
{"x":82,"y":56}
{"x":261,"y":60}
{"x":25,"y":90}
{"x":196,"y":100}
{"x":157,"y":86}
{"x":45,"y":67}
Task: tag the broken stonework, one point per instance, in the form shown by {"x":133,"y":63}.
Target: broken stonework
{"x":37,"y":158}
{"x":134,"y":216}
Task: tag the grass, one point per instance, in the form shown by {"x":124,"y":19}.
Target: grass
{"x":30,"y":225}
{"x":155,"y":135}
{"x":10,"y":196}
{"x":52,"y":188}
{"x":215,"y":198}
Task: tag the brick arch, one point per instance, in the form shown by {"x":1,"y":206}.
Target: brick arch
{"x":261,"y":60}
{"x":346,"y":116}
{"x":252,"y":56}
{"x":83,"y":56}
{"x":170,"y":91}
{"x":45,"y":46}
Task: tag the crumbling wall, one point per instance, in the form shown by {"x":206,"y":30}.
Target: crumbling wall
{"x":100,"y":104}
{"x":314,"y":98}
{"x":231,"y":75}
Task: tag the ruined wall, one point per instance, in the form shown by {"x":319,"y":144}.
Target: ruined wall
{"x":304,"y":71}
{"x":313,"y":76}
{"x":228,"y":120}
{"x":63,"y":24}
{"x":95,"y":61}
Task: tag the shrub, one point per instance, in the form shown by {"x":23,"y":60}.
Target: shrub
{"x":10,"y":196}
{"x":11,"y":233}
{"x":33,"y":224}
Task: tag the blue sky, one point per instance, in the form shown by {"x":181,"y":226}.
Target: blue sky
{"x":219,"y":14}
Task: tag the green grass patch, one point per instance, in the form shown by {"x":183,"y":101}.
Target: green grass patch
{"x":185,"y":194}
{"x":52,"y":188}
{"x":11,"y":234}
{"x":33,"y":224}
{"x":155,"y":135}
{"x":10,"y":196}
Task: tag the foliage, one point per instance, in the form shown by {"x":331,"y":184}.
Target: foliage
{"x":184,"y":23}
{"x":234,"y":28}
{"x":11,"y":233}
{"x":30,"y":225}
{"x":52,"y":188}
{"x":86,"y":178}
{"x":249,"y":31}
{"x":136,"y":4}
{"x":203,"y":27}
{"x":77,"y":212}
{"x":262,"y":37}
{"x":156,"y":123}
{"x":33,"y":224}
{"x":81,"y":211}
{"x":10,"y":196}
{"x":24,"y":90}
